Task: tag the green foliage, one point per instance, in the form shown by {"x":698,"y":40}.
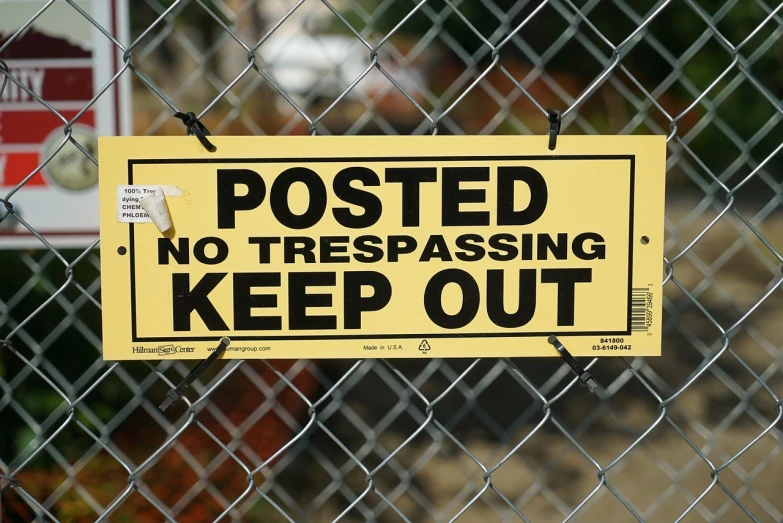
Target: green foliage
{"x":28,"y":279}
{"x":186,"y":14}
{"x":678,"y":58}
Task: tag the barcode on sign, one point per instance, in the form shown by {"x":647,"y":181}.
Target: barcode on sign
{"x":640,"y":318}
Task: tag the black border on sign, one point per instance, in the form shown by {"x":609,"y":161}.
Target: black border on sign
{"x":631,"y":158}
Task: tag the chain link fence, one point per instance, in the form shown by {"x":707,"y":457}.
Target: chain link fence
{"x":693,"y":435}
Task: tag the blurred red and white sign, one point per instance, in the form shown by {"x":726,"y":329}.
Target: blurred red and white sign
{"x":65,"y":60}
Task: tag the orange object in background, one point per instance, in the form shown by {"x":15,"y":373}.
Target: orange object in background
{"x":171,"y":478}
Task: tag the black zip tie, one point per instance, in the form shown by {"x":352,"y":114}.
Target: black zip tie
{"x":555,"y":118}
{"x":195,"y":127}
{"x":585,"y":377}
{"x":176,"y":393}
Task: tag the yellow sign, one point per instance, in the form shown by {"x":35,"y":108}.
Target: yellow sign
{"x":383,"y":247}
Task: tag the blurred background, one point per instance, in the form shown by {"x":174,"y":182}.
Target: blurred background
{"x":693,"y":434}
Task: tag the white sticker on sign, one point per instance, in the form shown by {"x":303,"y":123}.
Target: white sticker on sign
{"x":129,"y":210}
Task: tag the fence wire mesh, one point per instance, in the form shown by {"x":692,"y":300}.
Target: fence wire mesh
{"x":693,"y":435}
